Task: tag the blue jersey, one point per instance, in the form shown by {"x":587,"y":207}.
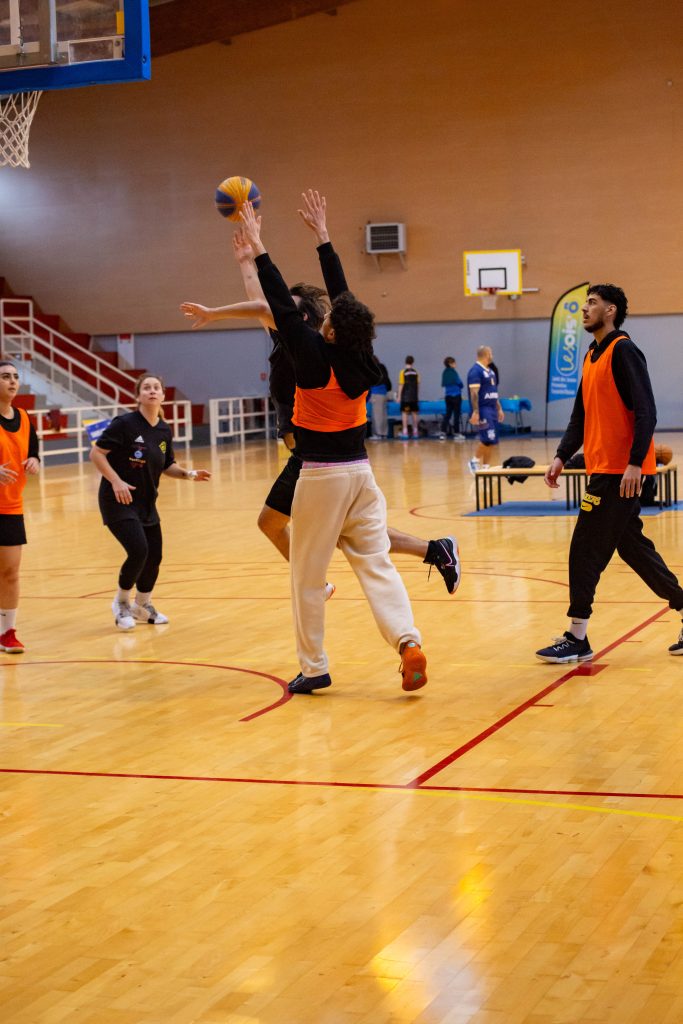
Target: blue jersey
{"x":488,"y":385}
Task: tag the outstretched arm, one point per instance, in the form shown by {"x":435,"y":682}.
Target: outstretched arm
{"x":252,"y":285}
{"x":314,"y":215}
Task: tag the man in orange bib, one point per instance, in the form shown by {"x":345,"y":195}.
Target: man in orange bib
{"x":614,"y":417}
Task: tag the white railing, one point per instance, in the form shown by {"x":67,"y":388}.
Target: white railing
{"x":76,"y":440}
{"x":231,"y":418}
{"x":19,"y":334}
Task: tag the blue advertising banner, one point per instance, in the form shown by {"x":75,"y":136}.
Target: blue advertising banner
{"x":564,"y":366}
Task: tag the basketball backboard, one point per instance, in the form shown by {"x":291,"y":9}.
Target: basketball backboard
{"x":60,"y":44}
{"x":493,"y":269}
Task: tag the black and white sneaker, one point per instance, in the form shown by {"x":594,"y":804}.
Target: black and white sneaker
{"x":677,"y":648}
{"x":443,"y":554}
{"x":147,"y":613}
{"x":564,"y":649}
{"x":307,"y":684}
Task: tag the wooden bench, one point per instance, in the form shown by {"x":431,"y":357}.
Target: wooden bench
{"x":575,"y":480}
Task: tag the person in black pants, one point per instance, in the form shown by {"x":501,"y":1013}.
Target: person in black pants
{"x":614,"y":417}
{"x":131,"y":454}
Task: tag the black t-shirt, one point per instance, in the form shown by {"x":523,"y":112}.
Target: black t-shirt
{"x":139,"y":453}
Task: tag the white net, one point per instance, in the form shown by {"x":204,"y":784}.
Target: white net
{"x":16,"y":114}
{"x":489,"y":298}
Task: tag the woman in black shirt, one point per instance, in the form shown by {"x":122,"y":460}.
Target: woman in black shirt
{"x":131,"y":454}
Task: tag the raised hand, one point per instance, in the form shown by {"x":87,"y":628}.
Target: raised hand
{"x":314,"y":214}
{"x":241,"y":247}
{"x":251,"y":227}
{"x":202,"y":314}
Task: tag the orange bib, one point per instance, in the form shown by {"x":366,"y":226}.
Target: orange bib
{"x":609,"y":425}
{"x":328,"y":409}
{"x":14,"y":451}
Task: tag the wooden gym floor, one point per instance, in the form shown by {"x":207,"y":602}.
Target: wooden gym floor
{"x":182,"y":845}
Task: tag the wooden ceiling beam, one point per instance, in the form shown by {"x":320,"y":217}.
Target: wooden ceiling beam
{"x":182,"y":24}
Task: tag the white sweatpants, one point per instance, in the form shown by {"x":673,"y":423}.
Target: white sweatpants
{"x":343,"y":503}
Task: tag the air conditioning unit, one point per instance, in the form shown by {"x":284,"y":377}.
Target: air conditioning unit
{"x":385,"y":238}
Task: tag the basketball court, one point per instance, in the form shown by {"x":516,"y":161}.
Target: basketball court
{"x":182,"y":842}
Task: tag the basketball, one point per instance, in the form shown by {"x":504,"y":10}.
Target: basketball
{"x":232,"y":193}
{"x":663,"y":454}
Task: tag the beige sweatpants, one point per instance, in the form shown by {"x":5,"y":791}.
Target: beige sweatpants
{"x":343,"y":503}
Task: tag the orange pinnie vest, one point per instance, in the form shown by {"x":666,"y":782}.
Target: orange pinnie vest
{"x":328,"y":409}
{"x":13,"y":451}
{"x":609,"y":425}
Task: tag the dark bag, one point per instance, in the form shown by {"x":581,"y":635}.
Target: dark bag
{"x":518,"y":462}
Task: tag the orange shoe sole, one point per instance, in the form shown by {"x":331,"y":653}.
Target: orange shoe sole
{"x":413,"y":667}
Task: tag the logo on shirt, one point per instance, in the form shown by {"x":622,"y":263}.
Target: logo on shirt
{"x":139,"y":440}
{"x":163,"y":446}
{"x":138,"y":454}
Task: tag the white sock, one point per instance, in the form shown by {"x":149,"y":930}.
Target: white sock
{"x":123,"y":596}
{"x":8,"y":619}
{"x":143,"y":599}
{"x":578,"y":628}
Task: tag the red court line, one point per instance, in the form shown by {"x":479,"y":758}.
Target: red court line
{"x":581,"y":670}
{"x":406,"y":787}
{"x":284,"y":699}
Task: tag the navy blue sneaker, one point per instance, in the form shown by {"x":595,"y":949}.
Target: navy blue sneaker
{"x":566,"y":648}
{"x":677,"y":648}
{"x":307,"y":684}
{"x":443,"y":554}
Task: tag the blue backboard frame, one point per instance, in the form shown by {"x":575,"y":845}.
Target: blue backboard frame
{"x":135,"y":66}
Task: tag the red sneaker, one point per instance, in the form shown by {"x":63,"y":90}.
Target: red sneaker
{"x":9,"y":643}
{"x":413,"y":666}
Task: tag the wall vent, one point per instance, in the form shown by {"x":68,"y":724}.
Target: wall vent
{"x":385,"y":238}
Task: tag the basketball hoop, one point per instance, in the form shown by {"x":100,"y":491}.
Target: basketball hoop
{"x":16,"y":114}
{"x":489,"y":297}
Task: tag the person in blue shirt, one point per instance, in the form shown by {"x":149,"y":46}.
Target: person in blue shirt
{"x":452,"y":386}
{"x":487,"y":411}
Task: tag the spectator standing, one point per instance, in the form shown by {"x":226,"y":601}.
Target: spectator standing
{"x":452,"y":385}
{"x":378,"y":405}
{"x":408,"y":396}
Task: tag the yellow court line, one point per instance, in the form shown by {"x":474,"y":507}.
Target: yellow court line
{"x":549,"y":803}
{"x":31,"y":725}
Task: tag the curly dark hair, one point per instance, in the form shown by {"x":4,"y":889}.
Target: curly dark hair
{"x":353,"y":323}
{"x":312,"y":304}
{"x":612,"y":293}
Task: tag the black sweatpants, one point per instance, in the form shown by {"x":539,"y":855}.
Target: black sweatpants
{"x":609,"y":523}
{"x":143,"y":546}
{"x":453,"y":406}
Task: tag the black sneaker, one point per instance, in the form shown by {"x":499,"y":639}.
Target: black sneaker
{"x":677,"y":648}
{"x":307,"y":684}
{"x":566,"y":648}
{"x":443,"y":554}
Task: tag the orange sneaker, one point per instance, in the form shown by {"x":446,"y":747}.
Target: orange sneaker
{"x":413,"y":666}
{"x":9,"y":643}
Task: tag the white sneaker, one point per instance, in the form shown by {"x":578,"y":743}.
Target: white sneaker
{"x":442,"y":437}
{"x":458,"y":437}
{"x":147,"y":613}
{"x":123,"y":615}
{"x":329,"y":590}
{"x":473,"y":465}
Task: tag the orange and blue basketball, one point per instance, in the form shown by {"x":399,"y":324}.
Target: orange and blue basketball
{"x":232,"y":193}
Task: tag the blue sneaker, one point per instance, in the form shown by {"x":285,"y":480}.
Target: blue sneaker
{"x":564,"y":649}
{"x":307,"y":684}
